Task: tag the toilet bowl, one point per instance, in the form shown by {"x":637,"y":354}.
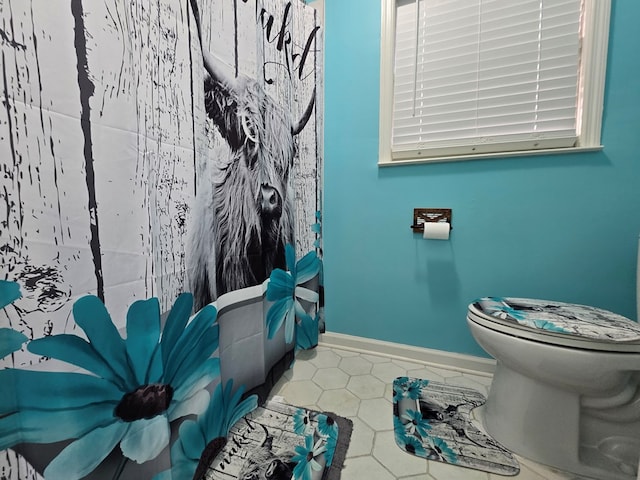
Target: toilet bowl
{"x":566,"y":390}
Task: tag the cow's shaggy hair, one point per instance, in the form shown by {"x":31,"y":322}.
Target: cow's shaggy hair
{"x":238,"y":236}
{"x":243,"y":216}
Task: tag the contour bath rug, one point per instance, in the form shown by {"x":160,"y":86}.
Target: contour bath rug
{"x":432,"y":420}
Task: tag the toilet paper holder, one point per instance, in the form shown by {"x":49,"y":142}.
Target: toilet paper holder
{"x":423,"y":215}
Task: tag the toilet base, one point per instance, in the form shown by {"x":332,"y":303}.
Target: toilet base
{"x":542,"y":422}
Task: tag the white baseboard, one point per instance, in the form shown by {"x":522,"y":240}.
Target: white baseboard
{"x":429,"y":356}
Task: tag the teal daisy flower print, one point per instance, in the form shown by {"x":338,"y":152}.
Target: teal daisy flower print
{"x":133,"y":389}
{"x":307,"y":333}
{"x":398,"y":390}
{"x":200,"y":440}
{"x":416,"y":425}
{"x":305,"y":458}
{"x":439,"y":450}
{"x":398,"y":427}
{"x":302,"y":422}
{"x":328,"y":429}
{"x":550,"y":326}
{"x":330,"y":444}
{"x":285,"y":291}
{"x":405,"y":387}
{"x":408,"y":443}
{"x":327,"y":425}
{"x":10,"y":340}
{"x":503,"y":310}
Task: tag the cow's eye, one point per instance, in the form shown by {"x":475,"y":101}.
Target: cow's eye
{"x":249,"y":128}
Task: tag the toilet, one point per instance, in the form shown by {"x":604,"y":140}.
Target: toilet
{"x":566,"y":389}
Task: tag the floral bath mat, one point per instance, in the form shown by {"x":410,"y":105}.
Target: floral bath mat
{"x":280,"y":441}
{"x":432,"y":420}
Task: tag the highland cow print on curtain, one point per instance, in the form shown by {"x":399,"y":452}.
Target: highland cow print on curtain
{"x":160,"y":217}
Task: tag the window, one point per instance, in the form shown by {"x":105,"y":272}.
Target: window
{"x":465,"y":79}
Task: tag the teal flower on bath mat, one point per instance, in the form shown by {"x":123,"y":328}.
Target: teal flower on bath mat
{"x":134,"y":388}
{"x":439,"y":450}
{"x":284,"y":289}
{"x":405,"y":387}
{"x":10,"y":340}
{"x":398,"y":427}
{"x":330,"y":444}
{"x":302,"y":422}
{"x":409,"y":443}
{"x":328,"y":428}
{"x":200,"y":440}
{"x":305,"y":458}
{"x":327,"y":425}
{"x":416,"y":425}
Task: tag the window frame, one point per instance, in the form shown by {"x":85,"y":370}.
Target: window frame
{"x":591,"y":89}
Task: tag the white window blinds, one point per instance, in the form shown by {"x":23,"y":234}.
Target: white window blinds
{"x":476,"y":76}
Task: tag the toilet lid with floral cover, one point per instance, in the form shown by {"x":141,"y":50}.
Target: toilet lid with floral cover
{"x":557,"y":319}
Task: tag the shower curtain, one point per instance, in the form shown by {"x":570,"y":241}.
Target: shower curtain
{"x":160,"y":225}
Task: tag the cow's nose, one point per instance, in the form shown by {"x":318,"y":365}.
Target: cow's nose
{"x":271,"y":202}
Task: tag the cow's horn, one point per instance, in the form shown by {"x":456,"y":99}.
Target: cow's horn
{"x":296,"y":129}
{"x":217,"y":74}
{"x":210,"y":66}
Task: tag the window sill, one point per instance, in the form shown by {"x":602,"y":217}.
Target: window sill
{"x":481,"y":156}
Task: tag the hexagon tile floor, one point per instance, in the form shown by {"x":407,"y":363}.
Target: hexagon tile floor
{"x":358,"y":386}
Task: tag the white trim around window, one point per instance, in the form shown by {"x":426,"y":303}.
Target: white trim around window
{"x":588,"y":117}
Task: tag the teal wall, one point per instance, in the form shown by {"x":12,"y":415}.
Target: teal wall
{"x":561,"y":227}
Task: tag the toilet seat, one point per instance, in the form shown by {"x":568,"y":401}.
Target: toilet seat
{"x":557,"y":323}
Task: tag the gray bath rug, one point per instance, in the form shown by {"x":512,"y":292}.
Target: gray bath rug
{"x":280,"y":441}
{"x":432,"y":420}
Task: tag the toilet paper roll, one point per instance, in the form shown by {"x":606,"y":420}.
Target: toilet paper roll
{"x":436,"y":230}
